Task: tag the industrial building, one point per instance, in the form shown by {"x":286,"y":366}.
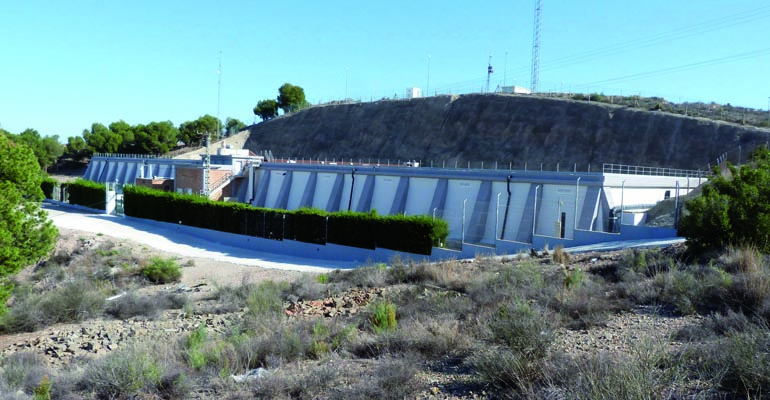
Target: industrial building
{"x":498,"y":211}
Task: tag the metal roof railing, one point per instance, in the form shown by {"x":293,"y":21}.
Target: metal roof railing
{"x":653,"y":171}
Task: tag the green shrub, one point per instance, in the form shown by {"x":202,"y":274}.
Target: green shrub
{"x":522,"y":328}
{"x":508,"y":372}
{"x":123,"y":374}
{"x":132,"y":305}
{"x":383,"y":318}
{"x":266,"y":299}
{"x":412,"y":234}
{"x":194,"y":343}
{"x":87,"y":194}
{"x":161,"y":270}
{"x":47,"y":185}
{"x":43,"y":390}
{"x":727,"y":211}
{"x":394,"y":378}
{"x":72,"y":302}
{"x":738,"y":364}
{"x":23,"y":371}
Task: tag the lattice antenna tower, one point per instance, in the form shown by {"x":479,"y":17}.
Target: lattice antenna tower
{"x":489,"y":71}
{"x":535,"y":80}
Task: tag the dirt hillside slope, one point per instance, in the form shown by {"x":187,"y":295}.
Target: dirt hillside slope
{"x":504,"y":129}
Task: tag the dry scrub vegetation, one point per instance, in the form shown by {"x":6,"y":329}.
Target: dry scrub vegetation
{"x":516,"y":327}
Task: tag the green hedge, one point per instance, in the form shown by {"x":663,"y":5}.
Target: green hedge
{"x":87,"y":193}
{"x":47,"y":185}
{"x":412,"y":234}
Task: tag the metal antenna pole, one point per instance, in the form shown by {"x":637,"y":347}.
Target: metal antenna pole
{"x":505,"y":68}
{"x":535,"y":79}
{"x":489,"y":71}
{"x":206,"y":167}
{"x":427,"y":84}
{"x":219,"y":93}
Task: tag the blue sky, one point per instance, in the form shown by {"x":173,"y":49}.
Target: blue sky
{"x":67,"y":64}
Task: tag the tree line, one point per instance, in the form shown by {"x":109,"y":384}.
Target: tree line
{"x":290,"y":98}
{"x":121,"y":137}
{"x":153,"y":137}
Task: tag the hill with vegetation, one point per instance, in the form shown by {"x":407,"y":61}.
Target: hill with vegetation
{"x":503,"y":130}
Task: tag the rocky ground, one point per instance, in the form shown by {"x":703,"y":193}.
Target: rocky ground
{"x":60,"y":344}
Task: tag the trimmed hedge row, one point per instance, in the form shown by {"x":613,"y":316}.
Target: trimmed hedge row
{"x":47,"y":185}
{"x":411,"y":234}
{"x":87,"y":193}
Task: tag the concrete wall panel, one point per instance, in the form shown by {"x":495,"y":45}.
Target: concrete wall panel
{"x":323,"y":189}
{"x":458,"y":191}
{"x":420,"y":192}
{"x":385,"y":187}
{"x":298,"y":183}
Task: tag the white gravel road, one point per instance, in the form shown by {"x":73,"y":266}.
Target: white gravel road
{"x":180,"y":243}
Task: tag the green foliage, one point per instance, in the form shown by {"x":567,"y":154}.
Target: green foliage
{"x":732,"y":211}
{"x":383,"y":317}
{"x":153,"y":138}
{"x":43,"y":389}
{"x":87,"y":193}
{"x":266,"y":300}
{"x":70,"y":302}
{"x":76,"y":148}
{"x":291,"y":98}
{"x":521,"y":328}
{"x":193,"y":132}
{"x":47,"y":186}
{"x":412,"y":234}
{"x":26,"y":233}
{"x":266,"y":109}
{"x":194,"y":344}
{"x":122,"y":374}
{"x":46,"y":149}
{"x":161,"y":270}
{"x":322,"y":278}
{"x":233,"y":126}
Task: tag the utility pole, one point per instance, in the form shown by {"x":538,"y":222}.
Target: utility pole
{"x":427,"y":84}
{"x":535,"y":79}
{"x":505,"y":68}
{"x":219,"y":93}
{"x":489,"y":71}
{"x":206,"y":167}
{"x":768,"y":110}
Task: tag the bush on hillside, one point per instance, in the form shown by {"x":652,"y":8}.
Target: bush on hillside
{"x":732,"y":210}
{"x":162,"y":271}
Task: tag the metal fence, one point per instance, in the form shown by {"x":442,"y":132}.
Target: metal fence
{"x":653,"y":171}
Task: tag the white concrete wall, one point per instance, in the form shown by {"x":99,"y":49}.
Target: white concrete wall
{"x":457,"y":192}
{"x":421,"y":192}
{"x":299,"y":181}
{"x":385,"y":187}
{"x":274,"y":187}
{"x":554,"y":200}
{"x":323,"y":189}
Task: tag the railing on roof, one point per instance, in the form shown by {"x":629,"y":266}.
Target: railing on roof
{"x":653,"y":171}
{"x":139,"y":156}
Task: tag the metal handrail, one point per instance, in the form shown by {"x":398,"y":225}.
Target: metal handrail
{"x":653,"y":171}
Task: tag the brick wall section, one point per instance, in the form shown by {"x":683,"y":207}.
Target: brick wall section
{"x":192,"y":178}
{"x":166,"y":185}
{"x":189,"y":178}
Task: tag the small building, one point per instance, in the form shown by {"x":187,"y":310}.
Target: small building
{"x":413,"y":93}
{"x":226,"y":172}
{"x":515,"y":90}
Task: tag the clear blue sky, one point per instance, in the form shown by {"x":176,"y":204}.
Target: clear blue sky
{"x":67,"y":64}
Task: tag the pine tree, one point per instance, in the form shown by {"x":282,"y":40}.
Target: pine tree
{"x":26,"y":233}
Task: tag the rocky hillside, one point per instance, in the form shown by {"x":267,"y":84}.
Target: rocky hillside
{"x":504,"y":129}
